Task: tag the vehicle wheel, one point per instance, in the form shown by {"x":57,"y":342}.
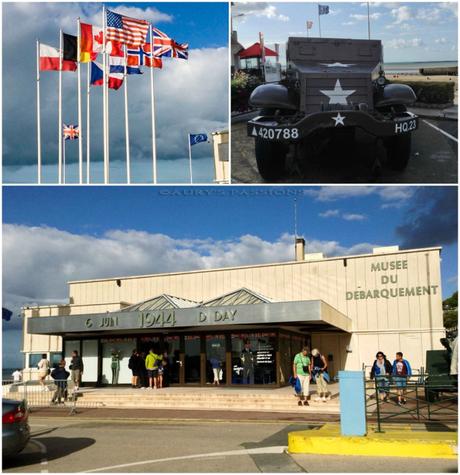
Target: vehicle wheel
{"x":398,"y":151}
{"x":271,"y":159}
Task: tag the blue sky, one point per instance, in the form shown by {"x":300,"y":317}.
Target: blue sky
{"x":188,"y":99}
{"x":52,"y":235}
{"x":409,"y":31}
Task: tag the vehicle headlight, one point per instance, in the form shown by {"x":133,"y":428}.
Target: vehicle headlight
{"x":381,"y":81}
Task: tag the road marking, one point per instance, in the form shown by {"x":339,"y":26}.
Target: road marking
{"x":261,"y":450}
{"x":44,"y":460}
{"x":440,"y":130}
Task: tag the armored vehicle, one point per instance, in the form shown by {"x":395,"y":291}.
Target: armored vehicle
{"x":332,"y":87}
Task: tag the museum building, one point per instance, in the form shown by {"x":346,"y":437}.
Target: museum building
{"x":348,"y":307}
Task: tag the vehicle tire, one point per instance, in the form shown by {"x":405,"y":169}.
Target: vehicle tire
{"x":271,"y":159}
{"x":398,"y":151}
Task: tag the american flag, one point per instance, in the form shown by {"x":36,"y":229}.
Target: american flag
{"x":165,"y":47}
{"x":71,"y":132}
{"x":126,"y":30}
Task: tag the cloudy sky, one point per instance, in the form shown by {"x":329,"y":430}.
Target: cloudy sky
{"x":409,"y":31}
{"x":51,"y":235}
{"x":188,"y":98}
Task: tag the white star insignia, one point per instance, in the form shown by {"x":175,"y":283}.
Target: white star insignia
{"x":338,"y":119}
{"x":338,"y":95}
{"x":336,"y":65}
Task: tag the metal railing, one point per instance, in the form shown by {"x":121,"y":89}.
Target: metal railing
{"x":52,"y":394}
{"x":419,"y":398}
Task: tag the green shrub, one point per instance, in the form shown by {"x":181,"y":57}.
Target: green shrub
{"x":432,"y":92}
{"x":242,"y":84}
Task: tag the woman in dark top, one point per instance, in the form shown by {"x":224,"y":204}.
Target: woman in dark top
{"x":318,"y":368}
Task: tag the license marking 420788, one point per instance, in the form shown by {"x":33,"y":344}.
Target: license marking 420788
{"x":276,"y":134}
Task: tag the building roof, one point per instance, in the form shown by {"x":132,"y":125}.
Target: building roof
{"x":241,"y":296}
{"x":161,"y":302}
{"x":255,"y":51}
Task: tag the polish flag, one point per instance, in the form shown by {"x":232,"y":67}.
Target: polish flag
{"x":49,"y":60}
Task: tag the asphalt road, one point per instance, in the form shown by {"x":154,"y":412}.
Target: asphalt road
{"x":77,"y":445}
{"x":433,"y":160}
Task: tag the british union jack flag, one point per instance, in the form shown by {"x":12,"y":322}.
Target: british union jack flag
{"x":165,"y":47}
{"x":71,"y":132}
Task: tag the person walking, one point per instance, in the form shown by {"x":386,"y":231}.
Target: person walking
{"x":381,"y":371}
{"x":43,"y":370}
{"x":76,"y":369}
{"x":133,"y":365}
{"x":248,"y":359}
{"x":216,"y":370}
{"x":301,"y":369}
{"x":60,"y":376}
{"x":318,"y":371}
{"x":401,"y":371}
{"x":152,"y":362}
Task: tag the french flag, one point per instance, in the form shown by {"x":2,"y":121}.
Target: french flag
{"x":97,"y":77}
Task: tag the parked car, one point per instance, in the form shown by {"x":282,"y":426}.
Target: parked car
{"x":15,"y":426}
{"x":333,"y":87}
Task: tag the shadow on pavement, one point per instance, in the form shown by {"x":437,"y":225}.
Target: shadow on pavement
{"x":57,"y":447}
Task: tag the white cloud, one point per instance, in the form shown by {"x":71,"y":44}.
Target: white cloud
{"x":258,"y":9}
{"x":62,"y":256}
{"x":440,"y":41}
{"x":354,"y":217}
{"x":330,"y":213}
{"x":401,"y":43}
{"x":359,"y":17}
{"x":401,"y":14}
{"x":348,"y":23}
{"x":430,"y":15}
{"x":452,"y":7}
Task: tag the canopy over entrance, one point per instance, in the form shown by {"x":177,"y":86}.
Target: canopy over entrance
{"x":255,"y":51}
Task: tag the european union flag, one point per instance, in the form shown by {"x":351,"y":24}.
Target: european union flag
{"x":323,"y":9}
{"x":197,"y":138}
{"x":6,"y":314}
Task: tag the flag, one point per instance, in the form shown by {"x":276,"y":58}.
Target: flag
{"x":323,"y":9}
{"x":71,"y":132}
{"x":97,"y":77}
{"x":197,"y":138}
{"x":6,"y":314}
{"x":117,"y":65}
{"x":91,"y":43}
{"x":49,"y":60}
{"x":140,"y":56}
{"x":70,"y":47}
{"x":126,"y":30}
{"x":163,"y":46}
{"x":309,"y":25}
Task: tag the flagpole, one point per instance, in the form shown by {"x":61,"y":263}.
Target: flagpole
{"x":154,"y":151}
{"x":88,"y":90}
{"x":368,"y":22}
{"x":63,"y":160}
{"x":104,"y":96}
{"x":190,"y":159}
{"x":128,"y":167}
{"x":60,"y":110}
{"x":80,"y":138}
{"x":39,"y":145}
{"x":319,"y":21}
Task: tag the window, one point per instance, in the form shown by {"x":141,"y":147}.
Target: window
{"x":253,"y":358}
{"x":34,"y":358}
{"x":55,"y":359}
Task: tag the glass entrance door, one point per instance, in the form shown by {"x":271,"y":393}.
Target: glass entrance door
{"x":192,"y":358}
{"x":172,"y":350}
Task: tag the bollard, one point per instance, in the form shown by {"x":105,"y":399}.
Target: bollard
{"x":352,"y":403}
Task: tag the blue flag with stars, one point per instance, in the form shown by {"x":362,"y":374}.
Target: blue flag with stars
{"x":197,"y":138}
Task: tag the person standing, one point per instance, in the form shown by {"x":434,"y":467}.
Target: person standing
{"x":301,"y":370}
{"x":318,"y":371}
{"x":133,"y":365}
{"x":76,"y":369}
{"x":143,"y":371}
{"x":401,"y":371}
{"x":216,"y":369}
{"x":151,"y":364}
{"x":43,"y":370}
{"x":381,"y":371}
{"x":116,"y":357}
{"x":60,"y":375}
{"x":248,"y":360}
